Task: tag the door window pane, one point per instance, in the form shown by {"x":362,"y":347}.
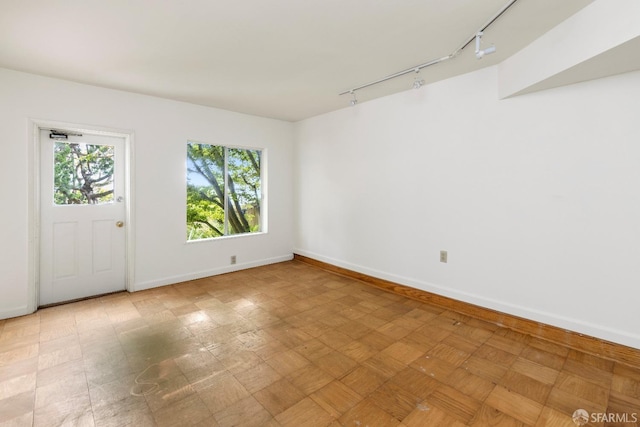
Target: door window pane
{"x":83,"y":173}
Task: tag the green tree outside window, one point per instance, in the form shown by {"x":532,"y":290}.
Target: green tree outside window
{"x":83,"y":173}
{"x":224,"y":191}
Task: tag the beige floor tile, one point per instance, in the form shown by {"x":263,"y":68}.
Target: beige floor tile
{"x":335,"y":339}
{"x":313,"y":349}
{"x":454,"y":403}
{"x":169,"y":391}
{"x":304,"y":413}
{"x":17,"y":385}
{"x":434,"y":367}
{"x":336,"y":398}
{"x":258,"y":377}
{"x":415,"y":382}
{"x":536,"y":371}
{"x":366,"y":413}
{"x":246,"y":412}
{"x":17,"y":369}
{"x":485,"y":369}
{"x":582,"y":388}
{"x":239,"y":361}
{"x":552,"y":418}
{"x":287,"y":361}
{"x":471,"y":385}
{"x":60,"y":356}
{"x":279,"y":396}
{"x":514,"y":405}
{"x":336,"y":364}
{"x":526,"y":386}
{"x":226,"y":391}
{"x":17,"y":406}
{"x":19,"y":354}
{"x":384,"y":364}
{"x":395,"y":399}
{"x":358,"y":351}
{"x":452,"y":355}
{"x":490,"y":416}
{"x":403,"y":352}
{"x":188,"y":411}
{"x":70,"y":410}
{"x":309,"y":379}
{"x":545,"y":358}
{"x":61,"y":390}
{"x":426,"y":415}
{"x":19,"y":421}
{"x":363,"y":380}
{"x":126,"y":411}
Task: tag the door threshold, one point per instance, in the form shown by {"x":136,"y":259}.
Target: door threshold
{"x":55,"y":304}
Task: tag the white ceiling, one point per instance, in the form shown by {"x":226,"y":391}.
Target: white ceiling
{"x":286,"y":59}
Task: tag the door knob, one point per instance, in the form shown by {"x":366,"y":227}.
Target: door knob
{"x":119,"y":224}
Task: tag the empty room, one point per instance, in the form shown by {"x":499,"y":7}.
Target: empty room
{"x":286,"y":213}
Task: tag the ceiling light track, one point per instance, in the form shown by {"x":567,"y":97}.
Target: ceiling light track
{"x":479,"y":54}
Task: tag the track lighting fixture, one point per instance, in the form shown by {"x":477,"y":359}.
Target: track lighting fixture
{"x":482,"y":53}
{"x":354,"y":101}
{"x":420,"y":82}
{"x":417,"y":81}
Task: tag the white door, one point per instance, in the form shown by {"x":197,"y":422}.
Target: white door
{"x":82,"y":213}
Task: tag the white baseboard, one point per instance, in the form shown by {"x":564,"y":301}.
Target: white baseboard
{"x":207,"y":273}
{"x":23,"y":310}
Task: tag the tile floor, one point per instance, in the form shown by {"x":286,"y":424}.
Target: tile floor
{"x":292,"y":345}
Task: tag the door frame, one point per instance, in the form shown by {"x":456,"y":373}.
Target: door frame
{"x":34,"y":128}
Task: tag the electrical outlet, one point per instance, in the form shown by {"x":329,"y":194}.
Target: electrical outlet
{"x":233,"y":259}
{"x":443,"y":256}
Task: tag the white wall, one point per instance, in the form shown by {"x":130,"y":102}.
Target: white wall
{"x":536,"y":198}
{"x":162,"y":128}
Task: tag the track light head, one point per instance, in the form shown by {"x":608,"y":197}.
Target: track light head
{"x":353,"y":101}
{"x":417,"y":81}
{"x":481,"y":53}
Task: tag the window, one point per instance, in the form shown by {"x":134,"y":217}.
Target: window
{"x":224,"y":191}
{"x":83,"y":173}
